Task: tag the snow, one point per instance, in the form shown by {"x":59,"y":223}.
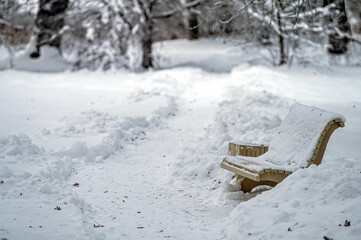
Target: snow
{"x":94,"y":155}
{"x":310,"y":203}
{"x":49,"y":60}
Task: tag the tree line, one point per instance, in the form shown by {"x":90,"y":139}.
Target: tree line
{"x":110,"y":34}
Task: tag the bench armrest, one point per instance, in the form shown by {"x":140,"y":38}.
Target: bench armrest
{"x":246,"y":150}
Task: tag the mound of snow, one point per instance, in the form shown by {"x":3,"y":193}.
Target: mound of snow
{"x":19,"y":144}
{"x":247,"y":116}
{"x":309,"y":204}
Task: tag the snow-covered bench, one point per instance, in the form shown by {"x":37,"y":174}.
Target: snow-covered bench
{"x":301,"y":140}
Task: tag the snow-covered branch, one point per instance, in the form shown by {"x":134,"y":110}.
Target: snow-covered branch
{"x":9,"y":24}
{"x":170,"y":13}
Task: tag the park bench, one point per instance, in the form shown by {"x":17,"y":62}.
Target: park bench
{"x":300,"y":141}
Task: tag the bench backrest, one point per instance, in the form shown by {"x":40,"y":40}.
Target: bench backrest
{"x":302,"y":137}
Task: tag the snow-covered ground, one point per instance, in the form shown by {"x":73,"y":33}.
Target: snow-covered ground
{"x":117,"y":155}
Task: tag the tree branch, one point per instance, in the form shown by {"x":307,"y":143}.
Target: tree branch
{"x":170,"y":13}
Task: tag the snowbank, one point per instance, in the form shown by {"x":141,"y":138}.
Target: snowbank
{"x":306,"y":205}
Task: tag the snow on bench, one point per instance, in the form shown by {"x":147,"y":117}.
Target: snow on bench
{"x":301,"y":140}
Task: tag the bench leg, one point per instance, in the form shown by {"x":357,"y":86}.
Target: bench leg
{"x":248,"y":184}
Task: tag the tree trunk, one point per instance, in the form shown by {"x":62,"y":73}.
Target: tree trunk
{"x":283,"y":56}
{"x":338,"y":44}
{"x":49,"y":21}
{"x":193,"y":26}
{"x":147,"y":40}
{"x":147,"y":43}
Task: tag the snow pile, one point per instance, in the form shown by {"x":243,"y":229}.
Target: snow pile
{"x":19,"y":144}
{"x":255,"y":123}
{"x":243,"y":116}
{"x":306,"y":205}
{"x":129,"y":130}
{"x":89,"y":122}
{"x":117,"y":134}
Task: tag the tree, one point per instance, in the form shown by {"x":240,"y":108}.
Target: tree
{"x":111,"y":28}
{"x":147,"y":22}
{"x":100,"y":33}
{"x":338,"y":27}
{"x":192,"y":22}
{"x":15,"y":26}
{"x":299,"y":21}
{"x":353,"y":10}
{"x":49,"y":23}
{"x":147,"y":30}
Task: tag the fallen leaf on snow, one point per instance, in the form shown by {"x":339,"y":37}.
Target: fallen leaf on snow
{"x":97,"y":225}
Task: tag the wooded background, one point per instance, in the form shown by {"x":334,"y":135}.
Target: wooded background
{"x":103,"y":34}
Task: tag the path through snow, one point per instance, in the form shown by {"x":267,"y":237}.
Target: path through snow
{"x":133,"y":196}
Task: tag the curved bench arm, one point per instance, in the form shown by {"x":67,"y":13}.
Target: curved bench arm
{"x":319,"y":151}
